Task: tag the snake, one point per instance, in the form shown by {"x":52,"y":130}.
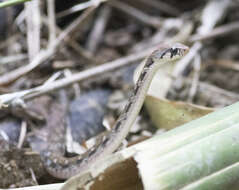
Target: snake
{"x":63,"y":168}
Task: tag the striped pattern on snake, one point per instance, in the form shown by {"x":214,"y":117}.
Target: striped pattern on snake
{"x":66,"y":167}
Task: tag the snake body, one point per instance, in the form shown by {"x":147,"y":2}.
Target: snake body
{"x":63,"y":168}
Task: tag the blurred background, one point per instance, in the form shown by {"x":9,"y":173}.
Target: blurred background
{"x":67,"y":68}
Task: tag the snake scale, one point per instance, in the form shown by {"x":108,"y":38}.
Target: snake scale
{"x":63,"y":168}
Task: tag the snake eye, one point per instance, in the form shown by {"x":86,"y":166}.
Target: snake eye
{"x":174,"y":51}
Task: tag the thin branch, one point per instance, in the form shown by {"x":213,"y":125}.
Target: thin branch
{"x":11,"y":3}
{"x":73,"y":44}
{"x":226,"y":63}
{"x":51,"y":20}
{"x":79,"y":7}
{"x":107,"y":67}
{"x":6,"y":43}
{"x":196,"y":76}
{"x":7,"y":99}
{"x":22,"y":135}
{"x":15,"y":74}
{"x":218,"y":31}
{"x":12,"y":58}
{"x":139,"y":15}
{"x":162,"y":6}
{"x":32,"y":17}
{"x":44,"y":54}
{"x":98,"y":29}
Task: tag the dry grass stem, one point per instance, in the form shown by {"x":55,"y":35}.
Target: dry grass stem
{"x":137,"y":14}
{"x":44,"y":54}
{"x":32,"y":17}
{"x":218,"y":31}
{"x":51,"y":20}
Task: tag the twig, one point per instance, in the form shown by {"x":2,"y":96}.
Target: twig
{"x":9,"y":41}
{"x":68,"y":40}
{"x":193,"y":89}
{"x":217,"y":90}
{"x":110,"y":66}
{"x":15,"y":74}
{"x":139,"y":15}
{"x":7,"y":99}
{"x":229,"y":64}
{"x":12,"y":58}
{"x":218,"y":31}
{"x":79,"y":7}
{"x":98,"y":29}
{"x":11,"y":3}
{"x":163,"y":7}
{"x":210,"y":17}
{"x":76,"y":86}
{"x":22,"y":134}
{"x":4,"y":135}
{"x":74,"y":25}
{"x":44,"y":55}
{"x":33,"y":176}
{"x":184,"y":31}
{"x":32,"y":17}
{"x":51,"y":20}
{"x":205,"y":28}
{"x":53,"y":78}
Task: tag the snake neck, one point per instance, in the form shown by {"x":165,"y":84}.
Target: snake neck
{"x":63,"y":168}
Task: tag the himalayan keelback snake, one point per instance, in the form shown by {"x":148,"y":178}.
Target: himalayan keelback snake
{"x":63,"y":168}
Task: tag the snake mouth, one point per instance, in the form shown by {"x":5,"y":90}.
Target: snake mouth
{"x":185,"y":50}
{"x":180,"y":49}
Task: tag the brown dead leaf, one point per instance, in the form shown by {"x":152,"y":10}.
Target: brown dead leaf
{"x":170,"y":114}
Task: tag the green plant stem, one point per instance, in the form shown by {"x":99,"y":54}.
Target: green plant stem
{"x":193,"y":156}
{"x":11,"y":3}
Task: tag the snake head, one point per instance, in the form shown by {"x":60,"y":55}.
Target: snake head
{"x":170,"y":53}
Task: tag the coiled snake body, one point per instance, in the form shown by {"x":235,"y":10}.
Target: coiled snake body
{"x":63,"y":168}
